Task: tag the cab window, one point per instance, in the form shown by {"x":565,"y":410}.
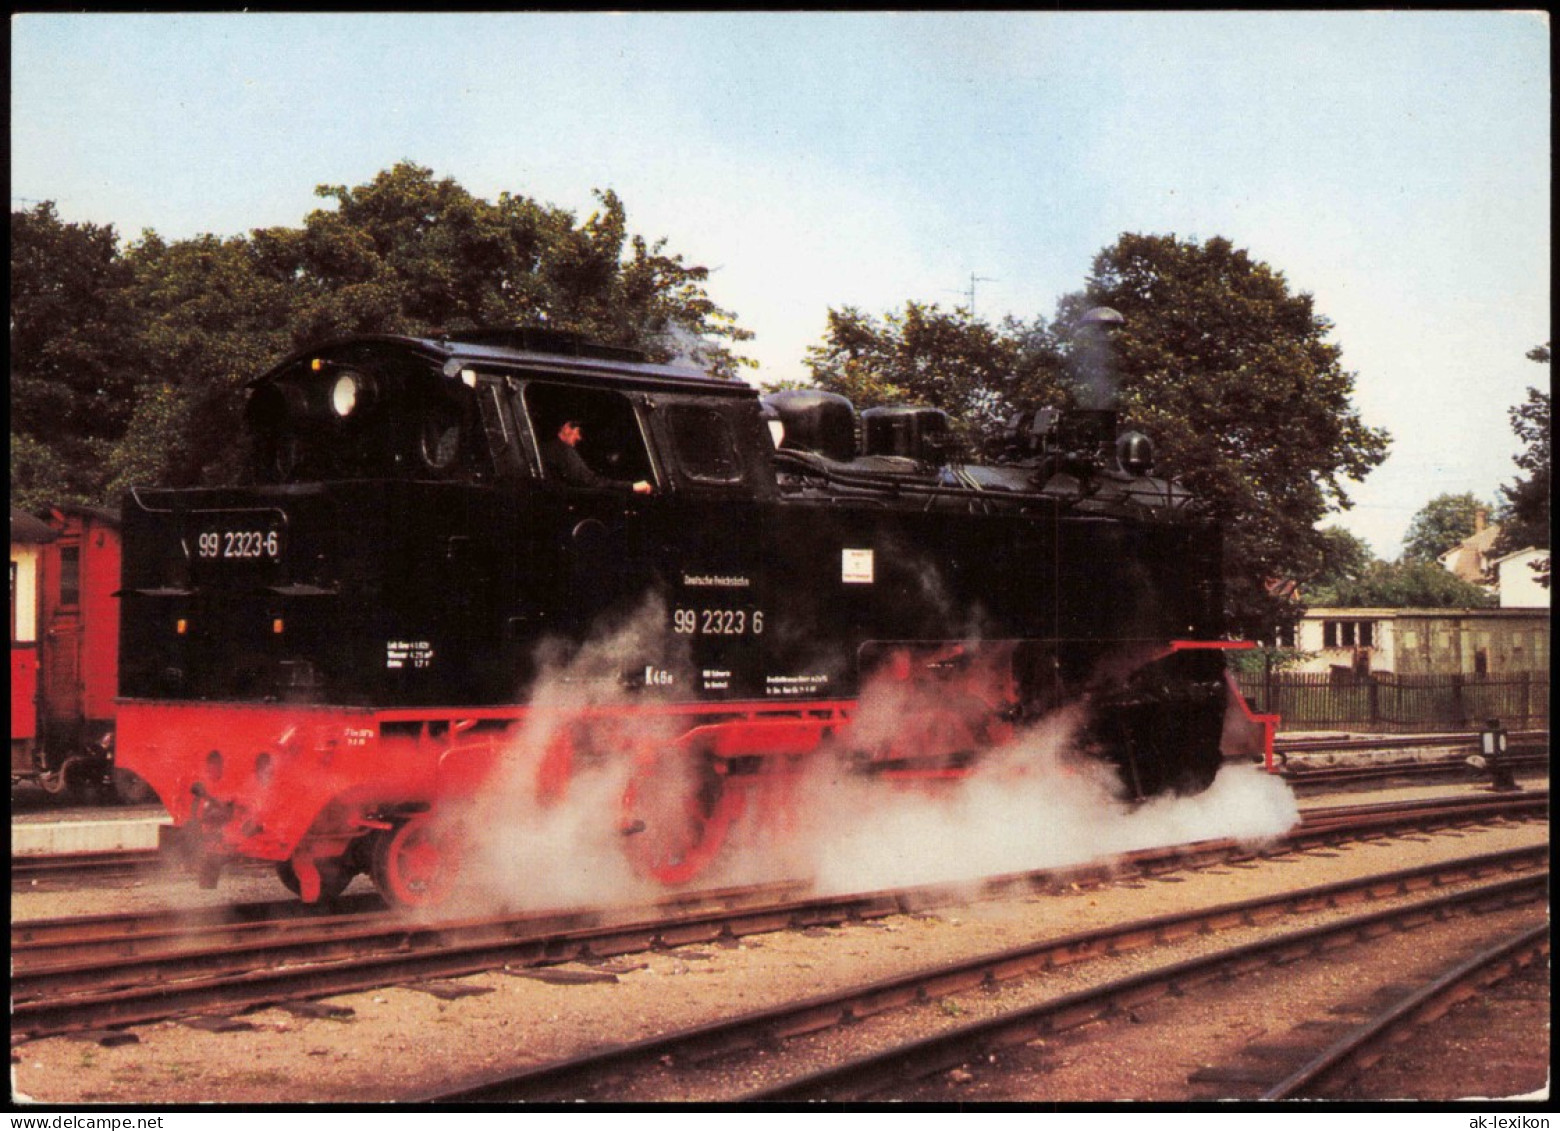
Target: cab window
{"x":702,"y":440}
{"x":605,"y":434}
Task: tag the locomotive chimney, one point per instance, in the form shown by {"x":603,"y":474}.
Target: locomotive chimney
{"x":1093,"y":360}
{"x":1087,"y":433}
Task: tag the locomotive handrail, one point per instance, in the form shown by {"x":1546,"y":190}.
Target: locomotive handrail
{"x":135,"y":493}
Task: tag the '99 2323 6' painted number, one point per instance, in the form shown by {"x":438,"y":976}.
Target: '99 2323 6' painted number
{"x":718,"y":622}
{"x":239,"y":544}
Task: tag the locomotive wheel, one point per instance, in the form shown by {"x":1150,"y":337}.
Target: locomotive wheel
{"x":132,"y":789}
{"x":414,"y":864}
{"x":676,"y":814}
{"x":335,"y":875}
{"x":84,"y":782}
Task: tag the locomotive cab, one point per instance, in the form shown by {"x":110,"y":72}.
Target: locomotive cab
{"x":347,"y":417}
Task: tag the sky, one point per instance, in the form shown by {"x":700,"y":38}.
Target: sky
{"x":1394,"y":165}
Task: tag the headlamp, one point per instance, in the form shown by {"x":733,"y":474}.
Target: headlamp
{"x":349,"y":391}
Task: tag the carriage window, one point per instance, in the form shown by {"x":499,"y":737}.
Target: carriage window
{"x":704,"y":444}
{"x":70,"y":576}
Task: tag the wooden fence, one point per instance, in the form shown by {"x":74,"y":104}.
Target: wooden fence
{"x":1386,"y":703}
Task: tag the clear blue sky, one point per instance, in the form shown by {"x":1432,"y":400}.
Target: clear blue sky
{"x":1394,"y":164}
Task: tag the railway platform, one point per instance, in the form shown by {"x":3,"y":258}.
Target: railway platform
{"x":42,"y":827}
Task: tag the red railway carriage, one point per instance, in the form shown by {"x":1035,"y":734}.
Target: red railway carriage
{"x":29,"y":536}
{"x":409,"y":610}
{"x":64,"y":649}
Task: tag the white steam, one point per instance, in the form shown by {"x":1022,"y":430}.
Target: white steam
{"x":547,"y":830}
{"x":1033,"y":804}
{"x":551,"y":828}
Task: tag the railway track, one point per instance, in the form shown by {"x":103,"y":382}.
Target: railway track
{"x":145,"y":935}
{"x":114,"y":971}
{"x":1417,"y":772}
{"x":75,"y":869}
{"x":1362,"y":1048}
{"x":142,"y":933}
{"x":903,"y":1063}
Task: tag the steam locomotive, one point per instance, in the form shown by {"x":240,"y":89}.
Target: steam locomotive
{"x":320,"y":666}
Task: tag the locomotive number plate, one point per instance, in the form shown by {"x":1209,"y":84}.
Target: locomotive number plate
{"x":240,"y":544}
{"x":718,"y":622}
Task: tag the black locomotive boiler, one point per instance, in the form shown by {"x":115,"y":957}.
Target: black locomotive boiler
{"x":319,"y":664}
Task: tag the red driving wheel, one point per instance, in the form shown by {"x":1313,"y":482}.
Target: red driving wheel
{"x":677,"y":810}
{"x":415,"y":863}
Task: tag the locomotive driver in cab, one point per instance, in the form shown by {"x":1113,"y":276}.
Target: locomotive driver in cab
{"x":567,"y":465}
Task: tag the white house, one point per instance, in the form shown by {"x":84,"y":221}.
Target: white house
{"x":1517,"y":580}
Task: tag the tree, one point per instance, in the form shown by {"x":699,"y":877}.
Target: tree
{"x":1230,"y":373}
{"x":127,"y":367}
{"x":1442,"y":523}
{"x":925,"y":355}
{"x":1352,"y":577}
{"x":72,"y":356}
{"x":1245,"y":397}
{"x":209,"y":318}
{"x":1345,"y":559}
{"x":1403,"y":585}
{"x":1524,"y":517}
{"x":406,"y":253}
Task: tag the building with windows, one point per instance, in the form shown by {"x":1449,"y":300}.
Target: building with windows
{"x":1424,"y":641}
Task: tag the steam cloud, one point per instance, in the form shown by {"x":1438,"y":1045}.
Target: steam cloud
{"x":528,"y":847}
{"x":1033,"y":802}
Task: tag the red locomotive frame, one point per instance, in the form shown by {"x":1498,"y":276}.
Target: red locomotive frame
{"x":326,"y":792}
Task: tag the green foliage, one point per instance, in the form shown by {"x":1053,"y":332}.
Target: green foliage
{"x":409,"y":254}
{"x":127,"y":366}
{"x":1442,"y":523}
{"x":1352,"y":577}
{"x":926,"y":355}
{"x":73,"y":361}
{"x":1524,"y":517}
{"x":1402,"y":585}
{"x":1344,"y":558}
{"x":1244,"y":395}
{"x":39,"y":476}
{"x":1255,"y":661}
{"x":210,"y":319}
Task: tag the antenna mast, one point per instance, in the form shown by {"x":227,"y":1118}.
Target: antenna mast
{"x":974,"y":278}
